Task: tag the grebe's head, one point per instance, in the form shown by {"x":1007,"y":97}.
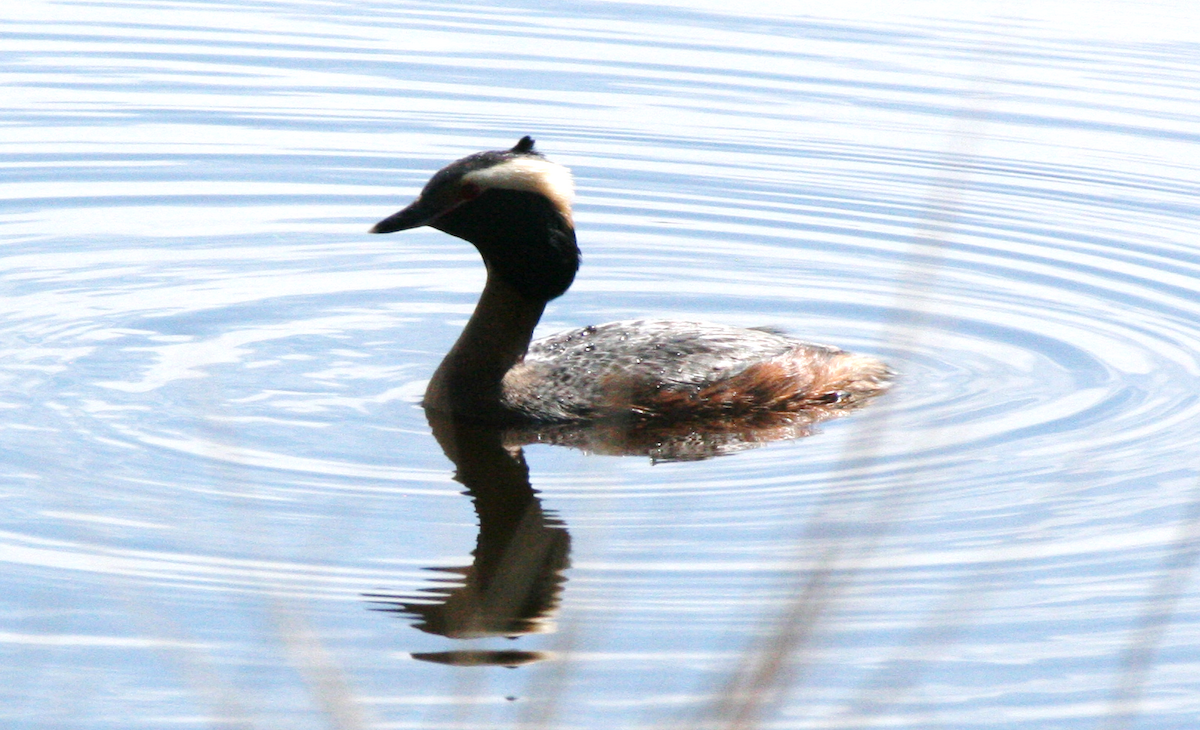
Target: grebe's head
{"x":514,"y":205}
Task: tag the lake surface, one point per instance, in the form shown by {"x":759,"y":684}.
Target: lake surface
{"x":224,"y":507}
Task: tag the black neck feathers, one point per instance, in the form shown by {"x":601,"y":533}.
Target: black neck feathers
{"x":522,"y":237}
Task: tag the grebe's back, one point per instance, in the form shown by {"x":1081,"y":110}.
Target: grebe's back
{"x":679,"y":370}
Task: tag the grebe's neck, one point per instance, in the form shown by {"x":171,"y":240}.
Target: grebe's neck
{"x":469,"y":380}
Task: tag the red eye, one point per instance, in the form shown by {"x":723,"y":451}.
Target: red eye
{"x":468,"y":191}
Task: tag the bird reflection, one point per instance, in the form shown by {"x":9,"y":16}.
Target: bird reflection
{"x":686,"y":440}
{"x":513,"y":586}
{"x":511,"y":658}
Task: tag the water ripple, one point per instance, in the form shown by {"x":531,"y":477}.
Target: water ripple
{"x":210,"y":373}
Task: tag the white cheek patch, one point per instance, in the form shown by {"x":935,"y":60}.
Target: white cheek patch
{"x":531,"y":174}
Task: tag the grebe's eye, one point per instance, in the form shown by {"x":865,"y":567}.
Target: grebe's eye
{"x":468,"y":191}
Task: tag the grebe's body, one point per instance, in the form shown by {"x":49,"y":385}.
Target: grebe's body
{"x":515,"y":207}
{"x":680,"y":370}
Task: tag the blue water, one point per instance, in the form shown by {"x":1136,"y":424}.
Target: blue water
{"x":213,"y":454}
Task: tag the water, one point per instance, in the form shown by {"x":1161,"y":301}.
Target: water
{"x":213,"y":461}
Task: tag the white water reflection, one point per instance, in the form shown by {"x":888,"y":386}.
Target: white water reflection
{"x":211,"y":445}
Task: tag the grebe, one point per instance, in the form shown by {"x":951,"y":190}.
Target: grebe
{"x":515,"y":207}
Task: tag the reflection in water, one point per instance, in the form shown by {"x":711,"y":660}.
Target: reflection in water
{"x":680,"y":440}
{"x":482,"y":658}
{"x":512,"y":588}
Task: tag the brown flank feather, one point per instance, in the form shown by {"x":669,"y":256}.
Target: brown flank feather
{"x":800,"y":380}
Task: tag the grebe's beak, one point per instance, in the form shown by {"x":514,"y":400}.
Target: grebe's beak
{"x":419,"y":213}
